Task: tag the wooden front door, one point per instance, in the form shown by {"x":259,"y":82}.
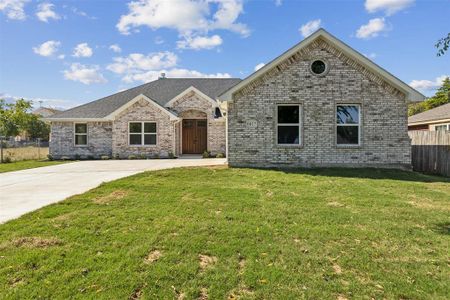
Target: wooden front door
{"x":194,"y":136}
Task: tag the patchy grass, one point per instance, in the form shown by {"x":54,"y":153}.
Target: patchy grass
{"x":218,"y":233}
{"x":27,"y":164}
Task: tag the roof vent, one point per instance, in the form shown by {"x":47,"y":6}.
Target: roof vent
{"x":162,"y":76}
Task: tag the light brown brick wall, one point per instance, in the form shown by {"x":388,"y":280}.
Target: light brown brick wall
{"x":252,"y":124}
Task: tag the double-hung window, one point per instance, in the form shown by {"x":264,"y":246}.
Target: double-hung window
{"x":142,"y":133}
{"x":288,"y":124}
{"x":348,"y":125}
{"x":442,"y":127}
{"x":81,"y":134}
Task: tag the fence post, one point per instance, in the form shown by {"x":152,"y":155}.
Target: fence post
{"x":1,"y":149}
{"x":39,"y":148}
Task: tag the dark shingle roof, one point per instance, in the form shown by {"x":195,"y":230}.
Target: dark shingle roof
{"x":438,"y":113}
{"x":161,"y":91}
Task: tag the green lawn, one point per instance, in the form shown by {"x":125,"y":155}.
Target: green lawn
{"x":223,"y":233}
{"x":27,"y":164}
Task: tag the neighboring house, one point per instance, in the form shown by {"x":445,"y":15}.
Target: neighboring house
{"x":321,"y":103}
{"x":434,"y":119}
{"x":160,"y":118}
{"x":46,"y":112}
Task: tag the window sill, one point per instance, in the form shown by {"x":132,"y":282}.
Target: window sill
{"x":142,"y":146}
{"x":289,"y":145}
{"x":348,"y":146}
{"x":81,"y":146}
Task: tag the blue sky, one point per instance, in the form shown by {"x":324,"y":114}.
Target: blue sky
{"x":66,"y":53}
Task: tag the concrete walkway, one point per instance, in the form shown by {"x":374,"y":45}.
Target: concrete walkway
{"x":24,"y":191}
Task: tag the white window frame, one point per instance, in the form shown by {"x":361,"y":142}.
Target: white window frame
{"x":446,"y":126}
{"x":299,"y":124}
{"x":358,"y":124}
{"x":143,"y":134}
{"x":75,"y":134}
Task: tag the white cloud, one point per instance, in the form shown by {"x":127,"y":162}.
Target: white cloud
{"x":82,"y":50}
{"x":174,"y":73}
{"x":47,"y":102}
{"x":82,"y":13}
{"x":47,"y":49}
{"x":14,"y":9}
{"x":390,"y":7}
{"x":278,"y":2}
{"x":200,"y":42}
{"x":116,"y":48}
{"x":185,"y":16}
{"x":428,"y":85}
{"x":84,"y":74}
{"x":259,"y":66}
{"x":372,"y":29}
{"x":61,"y":56}
{"x":371,"y":55}
{"x":45,"y":12}
{"x":137,"y":62}
{"x":308,"y":28}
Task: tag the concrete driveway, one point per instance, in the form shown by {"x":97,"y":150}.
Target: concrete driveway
{"x":24,"y":191}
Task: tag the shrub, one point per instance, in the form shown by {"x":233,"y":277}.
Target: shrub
{"x":90,"y":157}
{"x":77,"y":157}
{"x":132,"y":157}
{"x":50,"y":157}
{"x":104,"y":157}
{"x":143,"y":156}
{"x":220,"y":155}
{"x":206,"y":154}
{"x":156,"y":155}
{"x":171,"y":155}
{"x":7,"y":160}
{"x":116,"y":156}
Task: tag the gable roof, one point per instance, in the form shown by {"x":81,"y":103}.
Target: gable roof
{"x":411,"y":94}
{"x":160,"y":91}
{"x":440,"y":113}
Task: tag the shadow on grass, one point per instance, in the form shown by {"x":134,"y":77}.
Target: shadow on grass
{"x":368,"y":173}
{"x":443,"y":228}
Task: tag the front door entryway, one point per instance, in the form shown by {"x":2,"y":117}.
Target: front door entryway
{"x":194,"y":136}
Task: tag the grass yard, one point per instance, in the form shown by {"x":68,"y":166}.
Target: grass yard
{"x":218,"y":233}
{"x":27,"y":164}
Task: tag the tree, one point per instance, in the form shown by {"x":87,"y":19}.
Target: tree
{"x":16,"y":118}
{"x":441,"y":97}
{"x":442,"y":45}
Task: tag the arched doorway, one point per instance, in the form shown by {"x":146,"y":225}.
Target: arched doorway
{"x":194,"y":132}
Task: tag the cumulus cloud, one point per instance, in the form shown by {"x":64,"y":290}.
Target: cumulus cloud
{"x":186,"y":16}
{"x":45,"y":12}
{"x":47,"y":49}
{"x":116,"y":48}
{"x":174,"y":73}
{"x":372,"y":29}
{"x":14,"y":9}
{"x":137,"y":62}
{"x":308,"y":28}
{"x":84,"y":74}
{"x":200,"y":42}
{"x":390,"y":7}
{"x":47,"y":102}
{"x":259,"y":66}
{"x":428,"y":85}
{"x":82,"y":50}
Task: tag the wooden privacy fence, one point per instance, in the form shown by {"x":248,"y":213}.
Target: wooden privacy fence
{"x":430,"y":151}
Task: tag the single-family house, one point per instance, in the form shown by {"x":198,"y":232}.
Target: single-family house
{"x":434,"y":119}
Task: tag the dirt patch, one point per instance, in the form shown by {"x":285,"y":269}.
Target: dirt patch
{"x":64,"y":217}
{"x":341,"y":297}
{"x":241,"y":264}
{"x":206,"y":261}
{"x":337,"y":269}
{"x":241,"y":292}
{"x":36,"y":242}
{"x":153,"y":256}
{"x":116,"y":195}
{"x":203,"y":294}
{"x":335,"y":204}
{"x":179,"y":295}
{"x":137,"y":294}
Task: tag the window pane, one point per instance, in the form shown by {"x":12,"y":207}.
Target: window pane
{"x":201,"y":123}
{"x":188,"y":123}
{"x":149,"y":139}
{"x":80,"y":128}
{"x":135,"y":139}
{"x":288,"y":114}
{"x":81,"y":139}
{"x":150,"y":127}
{"x":347,"y":135}
{"x":347,"y":114}
{"x":135,"y":127}
{"x":288,"y":135}
{"x":440,"y":127}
